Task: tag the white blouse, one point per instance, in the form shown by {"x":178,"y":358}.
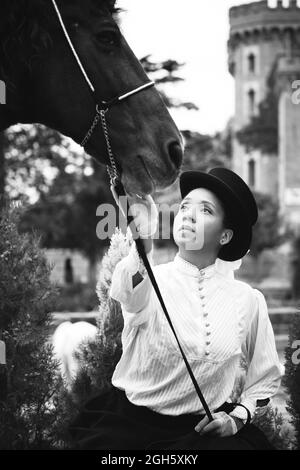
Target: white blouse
{"x":216,"y":318}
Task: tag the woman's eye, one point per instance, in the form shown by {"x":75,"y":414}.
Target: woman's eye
{"x":182,"y":208}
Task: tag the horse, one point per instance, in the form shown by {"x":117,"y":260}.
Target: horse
{"x":66,"y":341}
{"x":44,"y":84}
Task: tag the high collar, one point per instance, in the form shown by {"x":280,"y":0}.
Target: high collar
{"x":224,"y":268}
{"x":191,"y":269}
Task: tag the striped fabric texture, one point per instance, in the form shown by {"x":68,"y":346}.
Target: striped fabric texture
{"x":217,"y":319}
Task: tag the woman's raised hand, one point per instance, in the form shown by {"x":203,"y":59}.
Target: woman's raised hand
{"x":143,"y":210}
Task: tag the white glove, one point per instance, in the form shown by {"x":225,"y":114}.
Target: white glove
{"x":144,"y":212}
{"x":222,"y":425}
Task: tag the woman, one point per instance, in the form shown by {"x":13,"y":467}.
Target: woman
{"x":153,"y":402}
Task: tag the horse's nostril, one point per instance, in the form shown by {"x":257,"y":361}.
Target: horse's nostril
{"x":175,"y":154}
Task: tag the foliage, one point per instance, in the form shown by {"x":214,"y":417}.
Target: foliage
{"x":266,"y":230}
{"x":34,"y":156}
{"x":203,"y":152}
{"x":277,"y":429}
{"x":76,"y":298}
{"x":164,"y":73}
{"x":262,"y":131}
{"x":66,"y":216}
{"x":292,"y":375}
{"x":29,"y":413}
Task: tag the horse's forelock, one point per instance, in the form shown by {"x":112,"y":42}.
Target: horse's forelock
{"x":14,"y":12}
{"x":25,"y":22}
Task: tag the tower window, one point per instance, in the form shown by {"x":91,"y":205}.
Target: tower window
{"x":251,"y":173}
{"x":251,"y":101}
{"x":251,"y":63}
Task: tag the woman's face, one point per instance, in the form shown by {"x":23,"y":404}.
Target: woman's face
{"x":198,"y":224}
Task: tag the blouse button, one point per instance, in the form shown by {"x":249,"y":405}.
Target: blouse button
{"x":207,"y":324}
{"x":202,"y":297}
{"x":208,"y":333}
{"x":206,"y":353}
{"x":200,"y":288}
{"x":202,"y":272}
{"x":205,"y":314}
{"x":207,"y":343}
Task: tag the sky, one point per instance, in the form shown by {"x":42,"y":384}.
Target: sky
{"x":194,"y":32}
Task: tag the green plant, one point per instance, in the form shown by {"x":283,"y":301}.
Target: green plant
{"x":28,"y":414}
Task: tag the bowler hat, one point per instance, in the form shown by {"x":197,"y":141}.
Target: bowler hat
{"x":237,"y":199}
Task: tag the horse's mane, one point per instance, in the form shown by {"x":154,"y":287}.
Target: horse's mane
{"x":23,"y":24}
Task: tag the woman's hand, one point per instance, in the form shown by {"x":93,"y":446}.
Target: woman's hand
{"x":145,"y":214}
{"x":143,"y":211}
{"x":222,"y":425}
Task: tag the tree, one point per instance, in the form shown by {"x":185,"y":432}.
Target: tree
{"x":266,"y":230}
{"x":35,"y":155}
{"x":28,"y":416}
{"x":66,"y":215}
{"x":164,"y":73}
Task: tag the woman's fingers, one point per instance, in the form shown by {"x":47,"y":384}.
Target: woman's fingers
{"x":222,"y":425}
{"x":213,"y":427}
{"x":202,"y":424}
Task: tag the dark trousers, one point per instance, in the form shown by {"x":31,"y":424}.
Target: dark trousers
{"x":111,"y":422}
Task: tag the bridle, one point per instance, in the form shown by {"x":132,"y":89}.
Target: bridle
{"x":101,"y":108}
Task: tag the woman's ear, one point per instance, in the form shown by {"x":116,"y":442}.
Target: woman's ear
{"x":226,"y":236}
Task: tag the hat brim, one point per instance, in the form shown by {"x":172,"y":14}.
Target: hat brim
{"x":242,"y":230}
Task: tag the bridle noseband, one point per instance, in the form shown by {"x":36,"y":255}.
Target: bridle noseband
{"x":101,"y":108}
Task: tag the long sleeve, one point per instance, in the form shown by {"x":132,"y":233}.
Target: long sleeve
{"x":134,"y":300}
{"x":264,"y":368}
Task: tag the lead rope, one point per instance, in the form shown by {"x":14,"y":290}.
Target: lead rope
{"x":119,"y":190}
{"x":117,"y":186}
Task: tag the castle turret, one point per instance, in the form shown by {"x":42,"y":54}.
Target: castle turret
{"x":265,"y":41}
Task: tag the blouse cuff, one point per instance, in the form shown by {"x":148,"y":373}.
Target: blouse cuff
{"x":241,"y":413}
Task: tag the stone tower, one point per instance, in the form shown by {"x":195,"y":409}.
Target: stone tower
{"x":265,"y":42}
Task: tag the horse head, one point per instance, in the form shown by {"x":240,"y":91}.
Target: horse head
{"x":45,"y":85}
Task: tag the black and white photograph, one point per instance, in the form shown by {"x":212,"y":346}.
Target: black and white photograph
{"x":149,"y":228}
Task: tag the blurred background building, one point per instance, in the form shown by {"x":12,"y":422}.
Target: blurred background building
{"x":264,"y":59}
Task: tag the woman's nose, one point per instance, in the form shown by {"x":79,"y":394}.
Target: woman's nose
{"x":189,"y":216}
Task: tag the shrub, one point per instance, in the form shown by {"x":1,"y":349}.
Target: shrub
{"x":28,"y":414}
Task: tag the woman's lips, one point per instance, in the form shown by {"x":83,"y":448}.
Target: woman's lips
{"x":186,"y":227}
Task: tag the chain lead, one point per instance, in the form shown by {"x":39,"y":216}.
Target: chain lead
{"x":112,"y":169}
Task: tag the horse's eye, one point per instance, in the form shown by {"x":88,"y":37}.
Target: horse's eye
{"x":108,"y":38}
